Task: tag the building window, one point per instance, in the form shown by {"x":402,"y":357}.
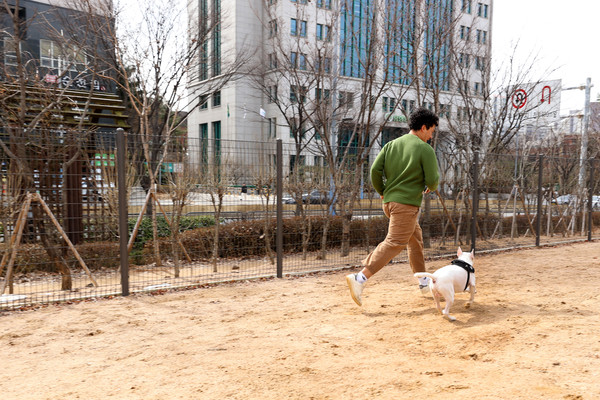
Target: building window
{"x":466,"y":6}
{"x":445,"y":111}
{"x":388,"y":104}
{"x":216,"y":99}
{"x":204,"y":102}
{"x":464,"y":32}
{"x":272,"y":128}
{"x":302,"y":27}
{"x":324,"y":4}
{"x":49,"y":54}
{"x":272,"y":28}
{"x":463,"y":60}
{"x":323,"y":65}
{"x":216,"y":39}
{"x":323,"y":32}
{"x":216,"y":126}
{"x":480,"y":63}
{"x":297,"y":93}
{"x":203,"y":49}
{"x":346,"y":99}
{"x":298,"y":60}
{"x":463,"y":86}
{"x":297,"y":28}
{"x":10,"y":52}
{"x":204,"y":144}
{"x":272,"y":93}
{"x":482,"y":10}
{"x":272,"y":61}
{"x":52,"y":55}
{"x":299,"y":1}
{"x":300,"y":162}
{"x":322,"y":95}
{"x":481,"y":36}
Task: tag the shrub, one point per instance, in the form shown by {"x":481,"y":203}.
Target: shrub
{"x":145,"y":230}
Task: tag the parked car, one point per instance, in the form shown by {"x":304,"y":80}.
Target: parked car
{"x":315,"y":197}
{"x":596,"y":202}
{"x":287,"y":199}
{"x":570,"y":199}
{"x":564,"y":199}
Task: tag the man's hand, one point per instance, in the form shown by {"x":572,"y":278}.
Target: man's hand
{"x":426,"y":190}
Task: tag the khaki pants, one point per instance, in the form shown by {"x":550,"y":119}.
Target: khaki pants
{"x":403,"y":232}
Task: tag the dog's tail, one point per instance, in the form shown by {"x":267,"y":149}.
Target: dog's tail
{"x":425,"y":274}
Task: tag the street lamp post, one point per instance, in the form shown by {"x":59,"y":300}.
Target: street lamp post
{"x":581,"y":189}
{"x":584,"y":130}
{"x":584,"y":133}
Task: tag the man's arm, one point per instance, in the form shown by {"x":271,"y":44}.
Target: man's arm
{"x":430,"y":168}
{"x":377,"y":172}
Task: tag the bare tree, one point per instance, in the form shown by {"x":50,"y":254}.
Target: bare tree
{"x":39,"y":141}
{"x":151,"y":61}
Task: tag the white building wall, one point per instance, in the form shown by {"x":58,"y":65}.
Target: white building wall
{"x":245,"y":31}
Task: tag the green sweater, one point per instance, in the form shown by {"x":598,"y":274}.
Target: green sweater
{"x":408,"y":165}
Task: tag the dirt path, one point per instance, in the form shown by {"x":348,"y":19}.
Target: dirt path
{"x":533,"y":333}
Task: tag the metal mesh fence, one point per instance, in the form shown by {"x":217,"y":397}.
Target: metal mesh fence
{"x":207,"y":211}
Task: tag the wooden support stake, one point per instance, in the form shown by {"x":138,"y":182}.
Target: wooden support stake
{"x":65,"y":237}
{"x":139,"y":220}
{"x":20,"y":220}
{"x":526,"y":210}
{"x":17,"y":242}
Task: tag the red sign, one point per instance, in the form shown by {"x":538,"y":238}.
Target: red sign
{"x":519,"y":98}
{"x":51,"y":78}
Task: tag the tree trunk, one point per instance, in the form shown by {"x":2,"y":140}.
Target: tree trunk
{"x":215,"y":252}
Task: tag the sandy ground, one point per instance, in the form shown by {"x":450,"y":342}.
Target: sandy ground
{"x":533,"y":333}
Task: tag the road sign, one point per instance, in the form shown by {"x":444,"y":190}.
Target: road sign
{"x":519,"y":98}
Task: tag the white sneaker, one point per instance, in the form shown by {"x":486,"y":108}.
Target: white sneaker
{"x":356,"y":288}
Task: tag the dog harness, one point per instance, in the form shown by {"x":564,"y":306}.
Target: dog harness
{"x":467,"y":267}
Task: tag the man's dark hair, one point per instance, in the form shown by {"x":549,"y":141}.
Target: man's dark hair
{"x":422,"y":116}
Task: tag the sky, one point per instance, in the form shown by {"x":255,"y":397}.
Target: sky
{"x":562,"y":33}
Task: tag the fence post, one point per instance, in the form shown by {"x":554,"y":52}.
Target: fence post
{"x":279,"y":236}
{"x":475,"y":199}
{"x":590,"y":199}
{"x":538,"y":225}
{"x":123,"y":228}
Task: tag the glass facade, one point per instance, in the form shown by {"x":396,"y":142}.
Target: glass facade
{"x":356,"y":25}
{"x":216,"y":39}
{"x":438,"y":34}
{"x":399,"y":46}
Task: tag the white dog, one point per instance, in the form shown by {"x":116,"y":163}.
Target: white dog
{"x":456,"y":277}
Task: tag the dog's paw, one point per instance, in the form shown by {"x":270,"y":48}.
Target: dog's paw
{"x":467,"y":305}
{"x":450,"y":317}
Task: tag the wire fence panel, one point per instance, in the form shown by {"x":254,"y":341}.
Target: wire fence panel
{"x":206,"y":211}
